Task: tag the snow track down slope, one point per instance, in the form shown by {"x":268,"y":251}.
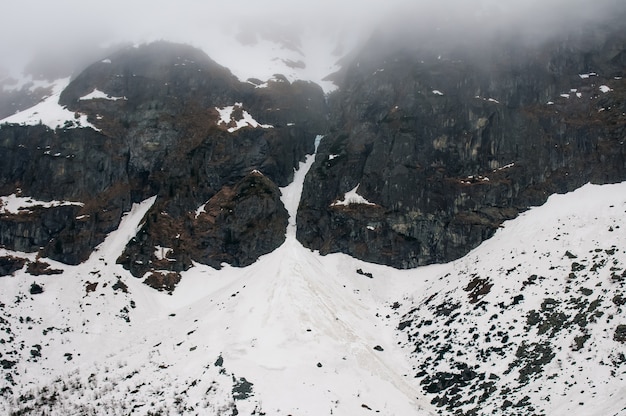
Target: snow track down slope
{"x":292,"y":333}
{"x":299,"y":333}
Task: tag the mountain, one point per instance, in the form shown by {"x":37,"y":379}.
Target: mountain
{"x":447,"y":142}
{"x":176,"y":238}
{"x":166,"y":120}
{"x":529,"y":322}
{"x":251,"y":50}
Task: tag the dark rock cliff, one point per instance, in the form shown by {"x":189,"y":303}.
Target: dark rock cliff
{"x":159,"y":132}
{"x":447,"y":144}
{"x":439,"y":144}
{"x":238,"y":224}
{"x":78,"y":165}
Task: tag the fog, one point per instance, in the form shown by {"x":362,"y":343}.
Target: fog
{"x":73,"y":30}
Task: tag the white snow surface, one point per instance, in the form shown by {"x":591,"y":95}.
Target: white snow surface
{"x":49,"y":112}
{"x":301,"y":328}
{"x":547,"y":287}
{"x":161,"y":253}
{"x":14,"y":204}
{"x":352,"y":197}
{"x":311,"y":55}
{"x":246,"y":120}
{"x":97,"y":94}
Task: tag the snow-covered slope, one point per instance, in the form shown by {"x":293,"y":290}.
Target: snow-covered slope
{"x":49,"y":112}
{"x":298,"y":333}
{"x":293,"y":333}
{"x":533,"y":320}
{"x":308,"y":53}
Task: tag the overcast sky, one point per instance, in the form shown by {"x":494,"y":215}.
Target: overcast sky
{"x":35,"y":26}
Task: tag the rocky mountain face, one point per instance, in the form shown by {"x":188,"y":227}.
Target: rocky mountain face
{"x":429,"y":148}
{"x":175,"y":168}
{"x":169,"y":122}
{"x":447,"y":143}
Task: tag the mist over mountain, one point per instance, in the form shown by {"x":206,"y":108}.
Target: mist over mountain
{"x":71,"y":28}
{"x":403,"y":208}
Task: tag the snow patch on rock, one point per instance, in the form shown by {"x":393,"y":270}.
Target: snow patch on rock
{"x":50,"y":113}
{"x":352,"y":197}
{"x":14,"y":204}
{"x":97,"y":94}
{"x":227,"y":118}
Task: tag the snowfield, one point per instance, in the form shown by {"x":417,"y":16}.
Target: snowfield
{"x":303,"y":334}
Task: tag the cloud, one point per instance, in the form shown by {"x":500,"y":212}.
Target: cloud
{"x":457,"y":20}
{"x":63,"y":27}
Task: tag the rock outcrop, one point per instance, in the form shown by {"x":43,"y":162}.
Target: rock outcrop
{"x":235,"y":226}
{"x":80,"y":165}
{"x":438,"y":148}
